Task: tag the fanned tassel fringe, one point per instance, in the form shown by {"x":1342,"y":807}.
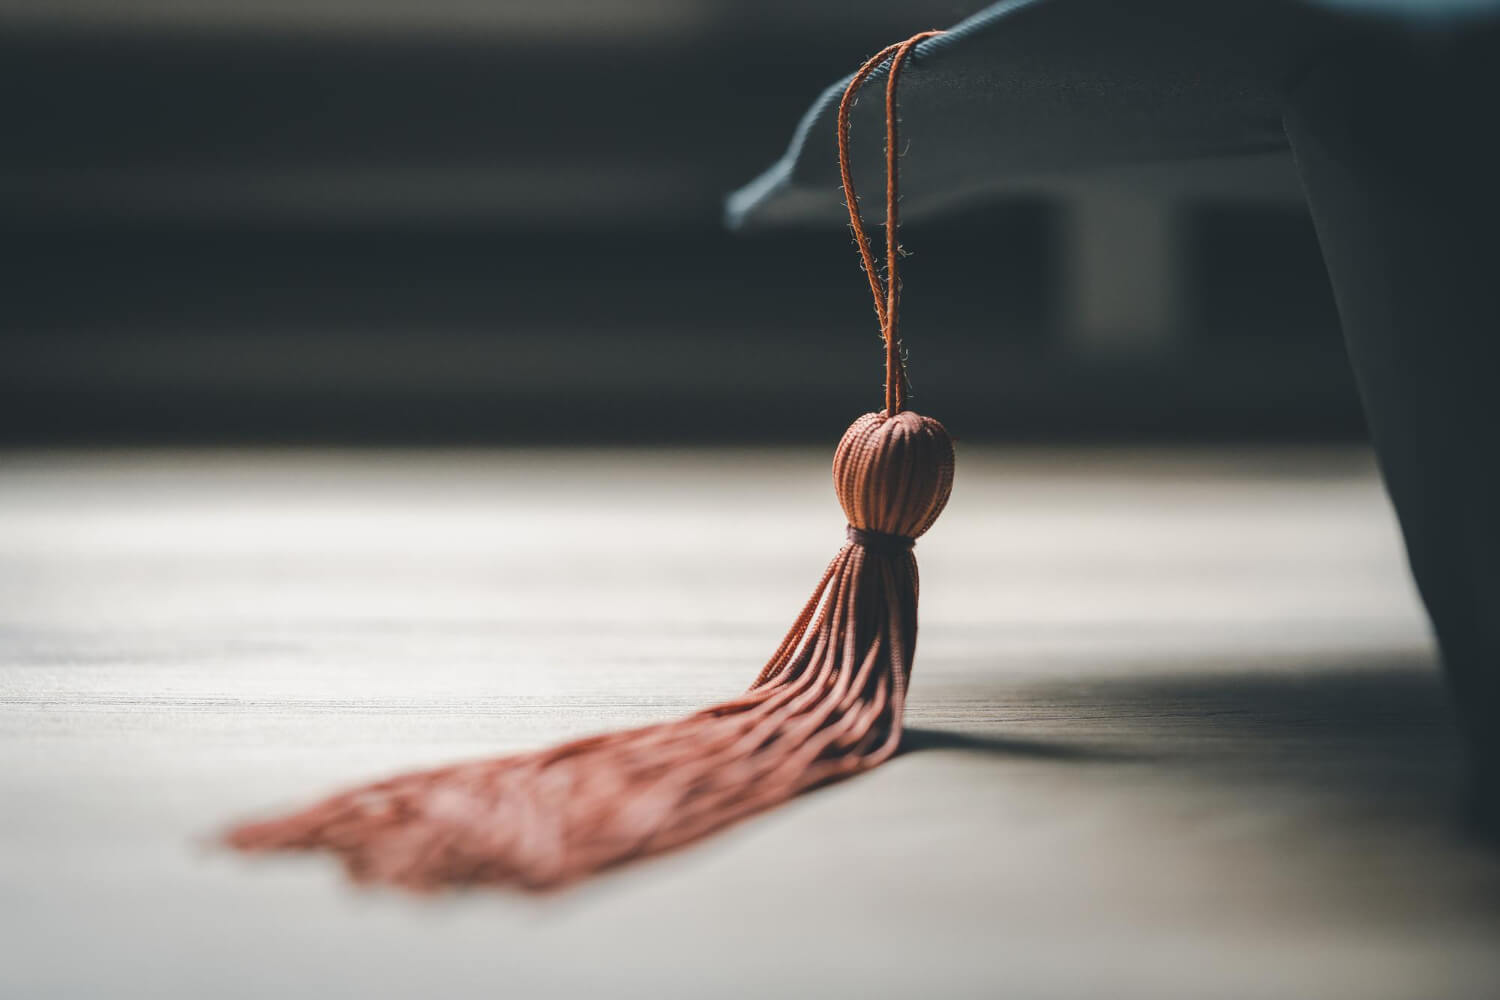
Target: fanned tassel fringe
{"x":828,"y":704}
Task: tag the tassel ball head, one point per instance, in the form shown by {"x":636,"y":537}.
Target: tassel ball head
{"x":893,"y":474}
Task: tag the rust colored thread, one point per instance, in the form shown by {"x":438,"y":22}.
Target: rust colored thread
{"x":886,"y":294}
{"x":828,"y":704}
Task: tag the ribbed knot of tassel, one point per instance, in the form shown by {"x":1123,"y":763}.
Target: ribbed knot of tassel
{"x":893,"y":475}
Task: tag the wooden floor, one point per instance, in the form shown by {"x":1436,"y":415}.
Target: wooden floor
{"x":1177,"y":728}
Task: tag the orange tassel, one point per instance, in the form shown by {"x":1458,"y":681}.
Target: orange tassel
{"x":829,"y":703}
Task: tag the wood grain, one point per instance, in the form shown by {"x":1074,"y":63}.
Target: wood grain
{"x":1177,"y":727}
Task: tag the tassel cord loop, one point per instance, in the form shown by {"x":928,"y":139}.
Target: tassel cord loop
{"x":886,"y":293}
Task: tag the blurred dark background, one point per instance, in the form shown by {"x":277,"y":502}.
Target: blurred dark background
{"x":368,"y":221}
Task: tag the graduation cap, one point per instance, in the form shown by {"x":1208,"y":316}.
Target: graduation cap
{"x":1168,"y":95}
{"x":1381,"y":113}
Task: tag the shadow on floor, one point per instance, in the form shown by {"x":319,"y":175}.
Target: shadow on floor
{"x":1375,"y":734}
{"x":917,"y":739}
